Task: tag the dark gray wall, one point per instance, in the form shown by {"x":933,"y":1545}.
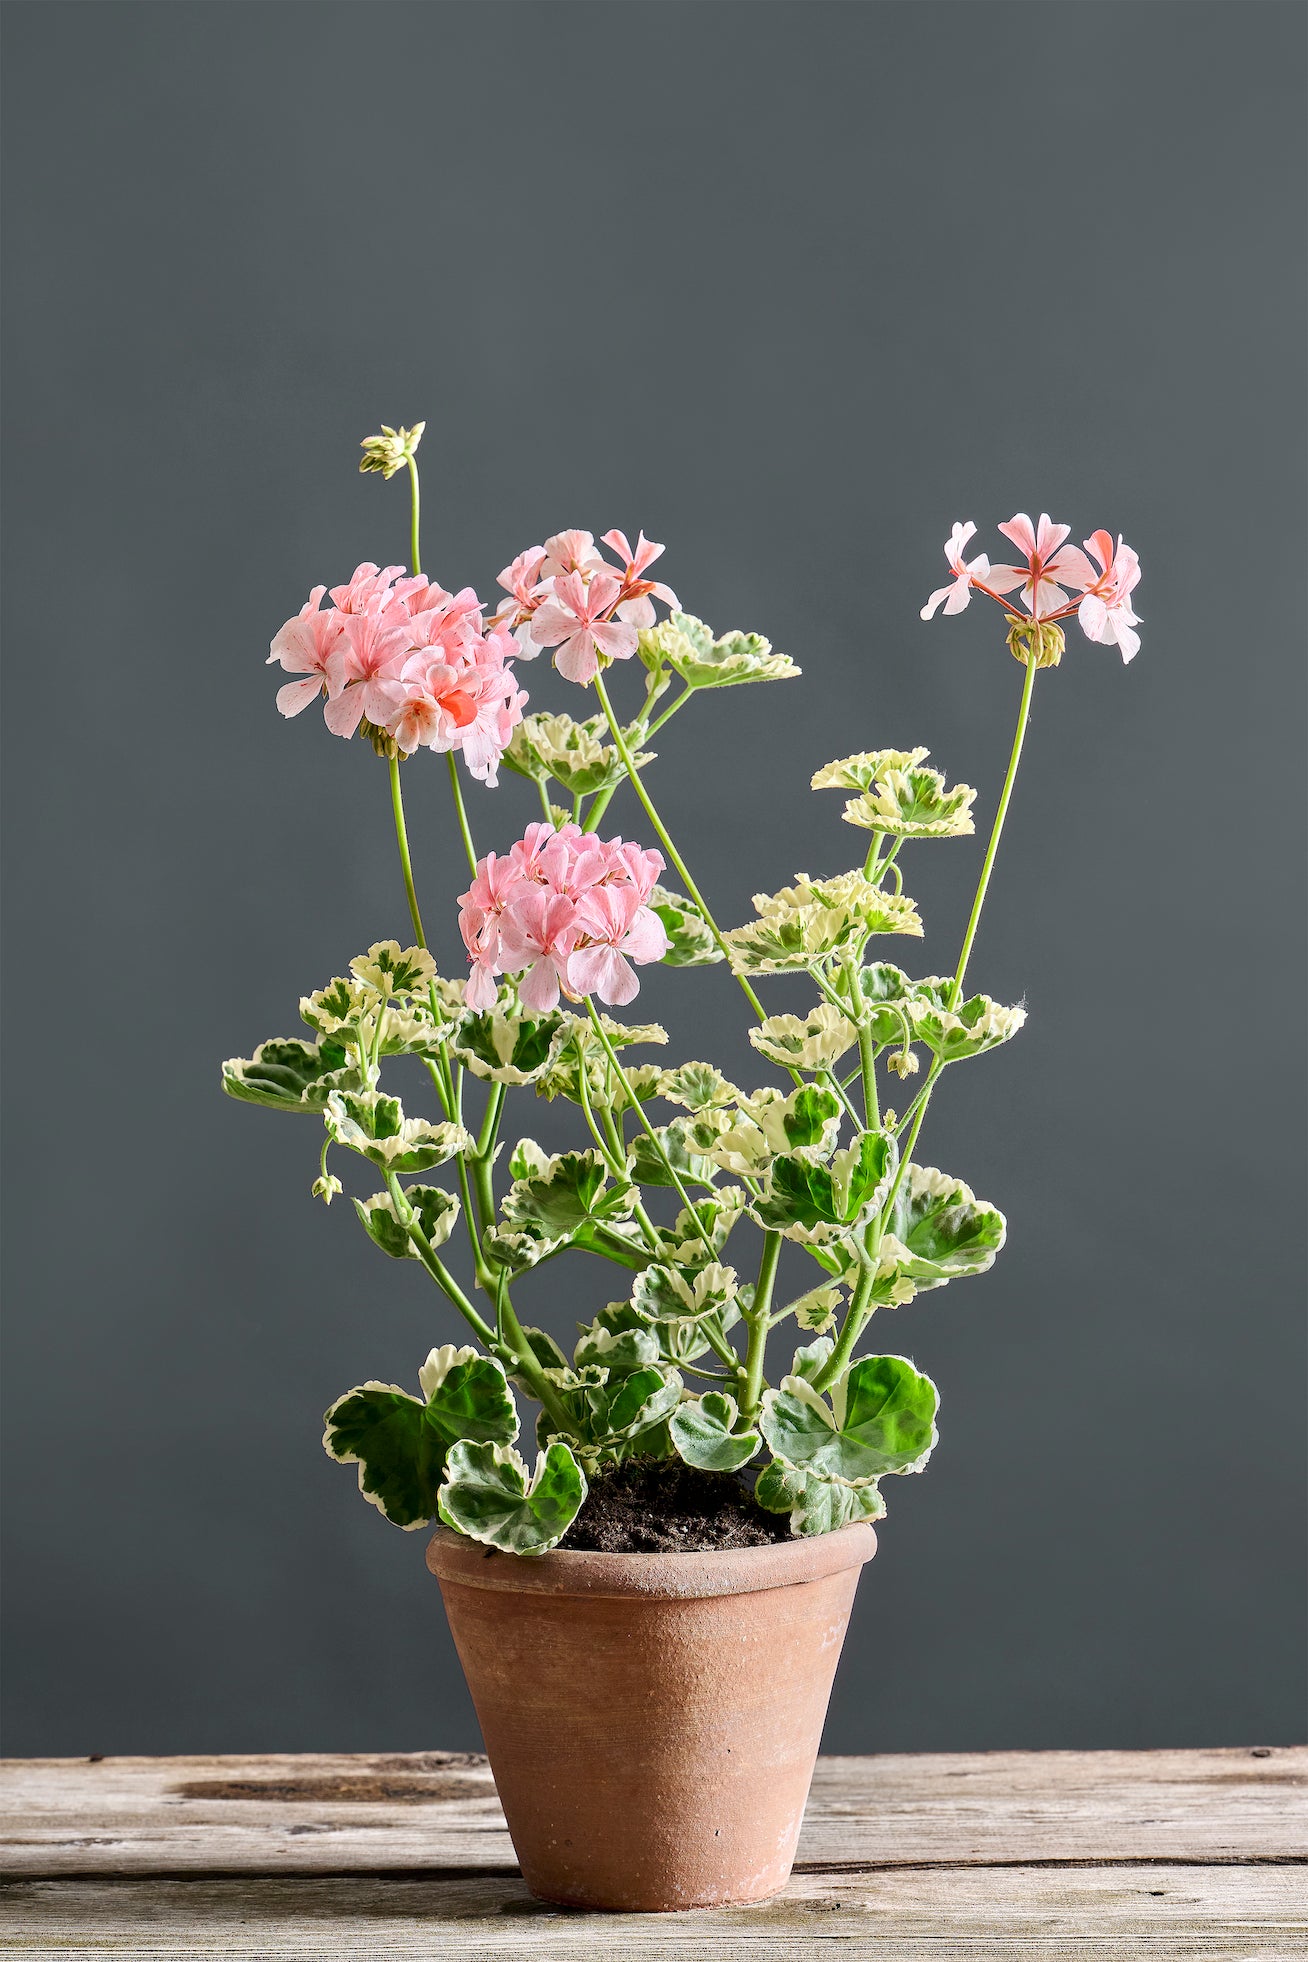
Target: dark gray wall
{"x":792,"y":286}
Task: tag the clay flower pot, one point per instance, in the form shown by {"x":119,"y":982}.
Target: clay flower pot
{"x":652,"y":1719}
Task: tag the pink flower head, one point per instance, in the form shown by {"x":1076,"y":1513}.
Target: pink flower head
{"x":365,"y":669}
{"x":1105,"y":613}
{"x":576,"y":621}
{"x":612,"y":922}
{"x":959,"y":591}
{"x":636,"y":606}
{"x":522,"y":582}
{"x":565,"y":910}
{"x":571,"y":551}
{"x":433,"y":707}
{"x":368,"y":588}
{"x":1048,"y":561}
{"x":305,"y":646}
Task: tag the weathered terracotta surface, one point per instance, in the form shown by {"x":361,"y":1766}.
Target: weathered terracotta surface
{"x":652,"y":1719}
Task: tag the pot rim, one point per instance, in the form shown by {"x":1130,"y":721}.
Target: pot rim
{"x":659,"y":1576}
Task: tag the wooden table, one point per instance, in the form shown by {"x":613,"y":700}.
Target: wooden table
{"x":1039,"y":1855}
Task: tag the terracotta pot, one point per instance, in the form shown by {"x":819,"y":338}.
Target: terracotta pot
{"x":652,"y":1719}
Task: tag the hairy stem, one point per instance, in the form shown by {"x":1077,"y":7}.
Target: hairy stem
{"x":620,"y":743}
{"x":759,"y":1321}
{"x":402,"y":840}
{"x":855,"y":1322}
{"x":996,"y":833}
{"x":434,"y":1265}
{"x":415,"y":514}
{"x":461,"y":814}
{"x":649,"y":1129}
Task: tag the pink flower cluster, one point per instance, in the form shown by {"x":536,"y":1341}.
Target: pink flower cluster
{"x":568,"y":908}
{"x":1101,"y":597}
{"x":564,"y":594}
{"x":417,"y":661}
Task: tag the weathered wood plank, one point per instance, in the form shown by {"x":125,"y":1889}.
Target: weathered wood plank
{"x":337,"y":1815}
{"x":1209,"y":1913}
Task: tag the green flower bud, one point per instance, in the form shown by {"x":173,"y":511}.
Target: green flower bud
{"x":391,"y":450}
{"x":1039,"y":640}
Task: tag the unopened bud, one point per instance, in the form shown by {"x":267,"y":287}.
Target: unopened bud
{"x":1041,"y":641}
{"x":391,"y":450}
{"x":326,"y":1188}
{"x":384,"y":744}
{"x":904,"y":1064}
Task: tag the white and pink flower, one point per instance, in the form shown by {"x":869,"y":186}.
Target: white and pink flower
{"x":564,"y":912}
{"x":1056,"y":580}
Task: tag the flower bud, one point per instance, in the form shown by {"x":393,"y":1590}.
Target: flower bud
{"x":904,"y":1064}
{"x":1040,"y":640}
{"x":326,"y":1188}
{"x":391,"y":450}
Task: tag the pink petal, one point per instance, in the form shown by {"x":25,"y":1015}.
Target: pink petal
{"x":1022,"y":532}
{"x":297,"y":695}
{"x":539,"y":988}
{"x":576,"y":660}
{"x":344,"y":715}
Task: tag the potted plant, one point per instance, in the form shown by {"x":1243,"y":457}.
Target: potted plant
{"x":650,"y":1601}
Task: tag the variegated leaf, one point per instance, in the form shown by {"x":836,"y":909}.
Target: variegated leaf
{"x":703,"y":1429}
{"x":489,"y":1496}
{"x":881,"y":1418}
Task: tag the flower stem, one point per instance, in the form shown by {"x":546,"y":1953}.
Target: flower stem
{"x":402,"y":840}
{"x":996,"y":832}
{"x":434,"y":1265}
{"x":415,"y":515}
{"x":855,"y":1322}
{"x":462,"y":814}
{"x":649,"y":1130}
{"x":759,"y":1321}
{"x":620,"y":744}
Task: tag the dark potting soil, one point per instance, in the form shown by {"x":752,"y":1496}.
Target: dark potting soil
{"x":659,"y":1505}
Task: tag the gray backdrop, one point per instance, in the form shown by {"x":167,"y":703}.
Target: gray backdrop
{"x":793,"y":287}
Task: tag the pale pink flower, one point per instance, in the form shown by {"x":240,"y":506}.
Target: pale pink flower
{"x":1105,"y":613}
{"x":305,"y":646}
{"x":521,"y":581}
{"x":613,"y":923}
{"x":636,"y":606}
{"x":433,"y":708}
{"x":368,"y":588}
{"x":565,"y":910}
{"x":571,"y":551}
{"x":575,"y":622}
{"x":538,"y":933}
{"x":1048,"y":561}
{"x":959,"y":591}
{"x":365,"y":669}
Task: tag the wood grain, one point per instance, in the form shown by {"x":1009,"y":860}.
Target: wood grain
{"x":325,"y":1814}
{"x":1045,"y":1856}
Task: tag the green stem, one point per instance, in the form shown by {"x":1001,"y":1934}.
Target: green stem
{"x":866,"y":1048}
{"x":693,"y":891}
{"x":855,"y":1322}
{"x":434,"y":1265}
{"x":545,"y":802}
{"x":402,"y":840}
{"x":649,"y":1129}
{"x":758,"y":1321}
{"x":526,"y":1366}
{"x":464,"y":832}
{"x":995,"y":834}
{"x":415,"y":515}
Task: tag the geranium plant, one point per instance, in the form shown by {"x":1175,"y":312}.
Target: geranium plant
{"x":685,"y":1183}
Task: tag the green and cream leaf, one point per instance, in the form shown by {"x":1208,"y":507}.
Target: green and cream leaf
{"x":815,"y":1504}
{"x":860,"y":772}
{"x":913,"y":803}
{"x":687,"y":646}
{"x":571,"y":1189}
{"x":506,"y":1048}
{"x":489,"y":1496}
{"x":287,"y":1074}
{"x":816,"y":1203}
{"x":436,"y":1212}
{"x":690,"y":938}
{"x":704,"y":1432}
{"x":881,"y":1418}
{"x":375,"y":1126}
{"x":973,"y":1026}
{"x":937,"y":1230}
{"x":811,"y":1042}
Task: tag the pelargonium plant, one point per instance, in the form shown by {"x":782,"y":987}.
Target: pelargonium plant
{"x":685,"y":1183}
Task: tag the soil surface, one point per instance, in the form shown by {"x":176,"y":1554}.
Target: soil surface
{"x":659,"y":1505}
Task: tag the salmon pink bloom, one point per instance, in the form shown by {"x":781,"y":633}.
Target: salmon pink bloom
{"x":368,"y":588}
{"x":521,"y":581}
{"x":1048,"y":561}
{"x":614,"y":922}
{"x":433,"y":708}
{"x":571,"y":551}
{"x":538,"y":934}
{"x":576,"y":622}
{"x":365,"y":669}
{"x":1105,"y":613}
{"x":636,"y":606}
{"x":957,"y":594}
{"x":305,"y":646}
